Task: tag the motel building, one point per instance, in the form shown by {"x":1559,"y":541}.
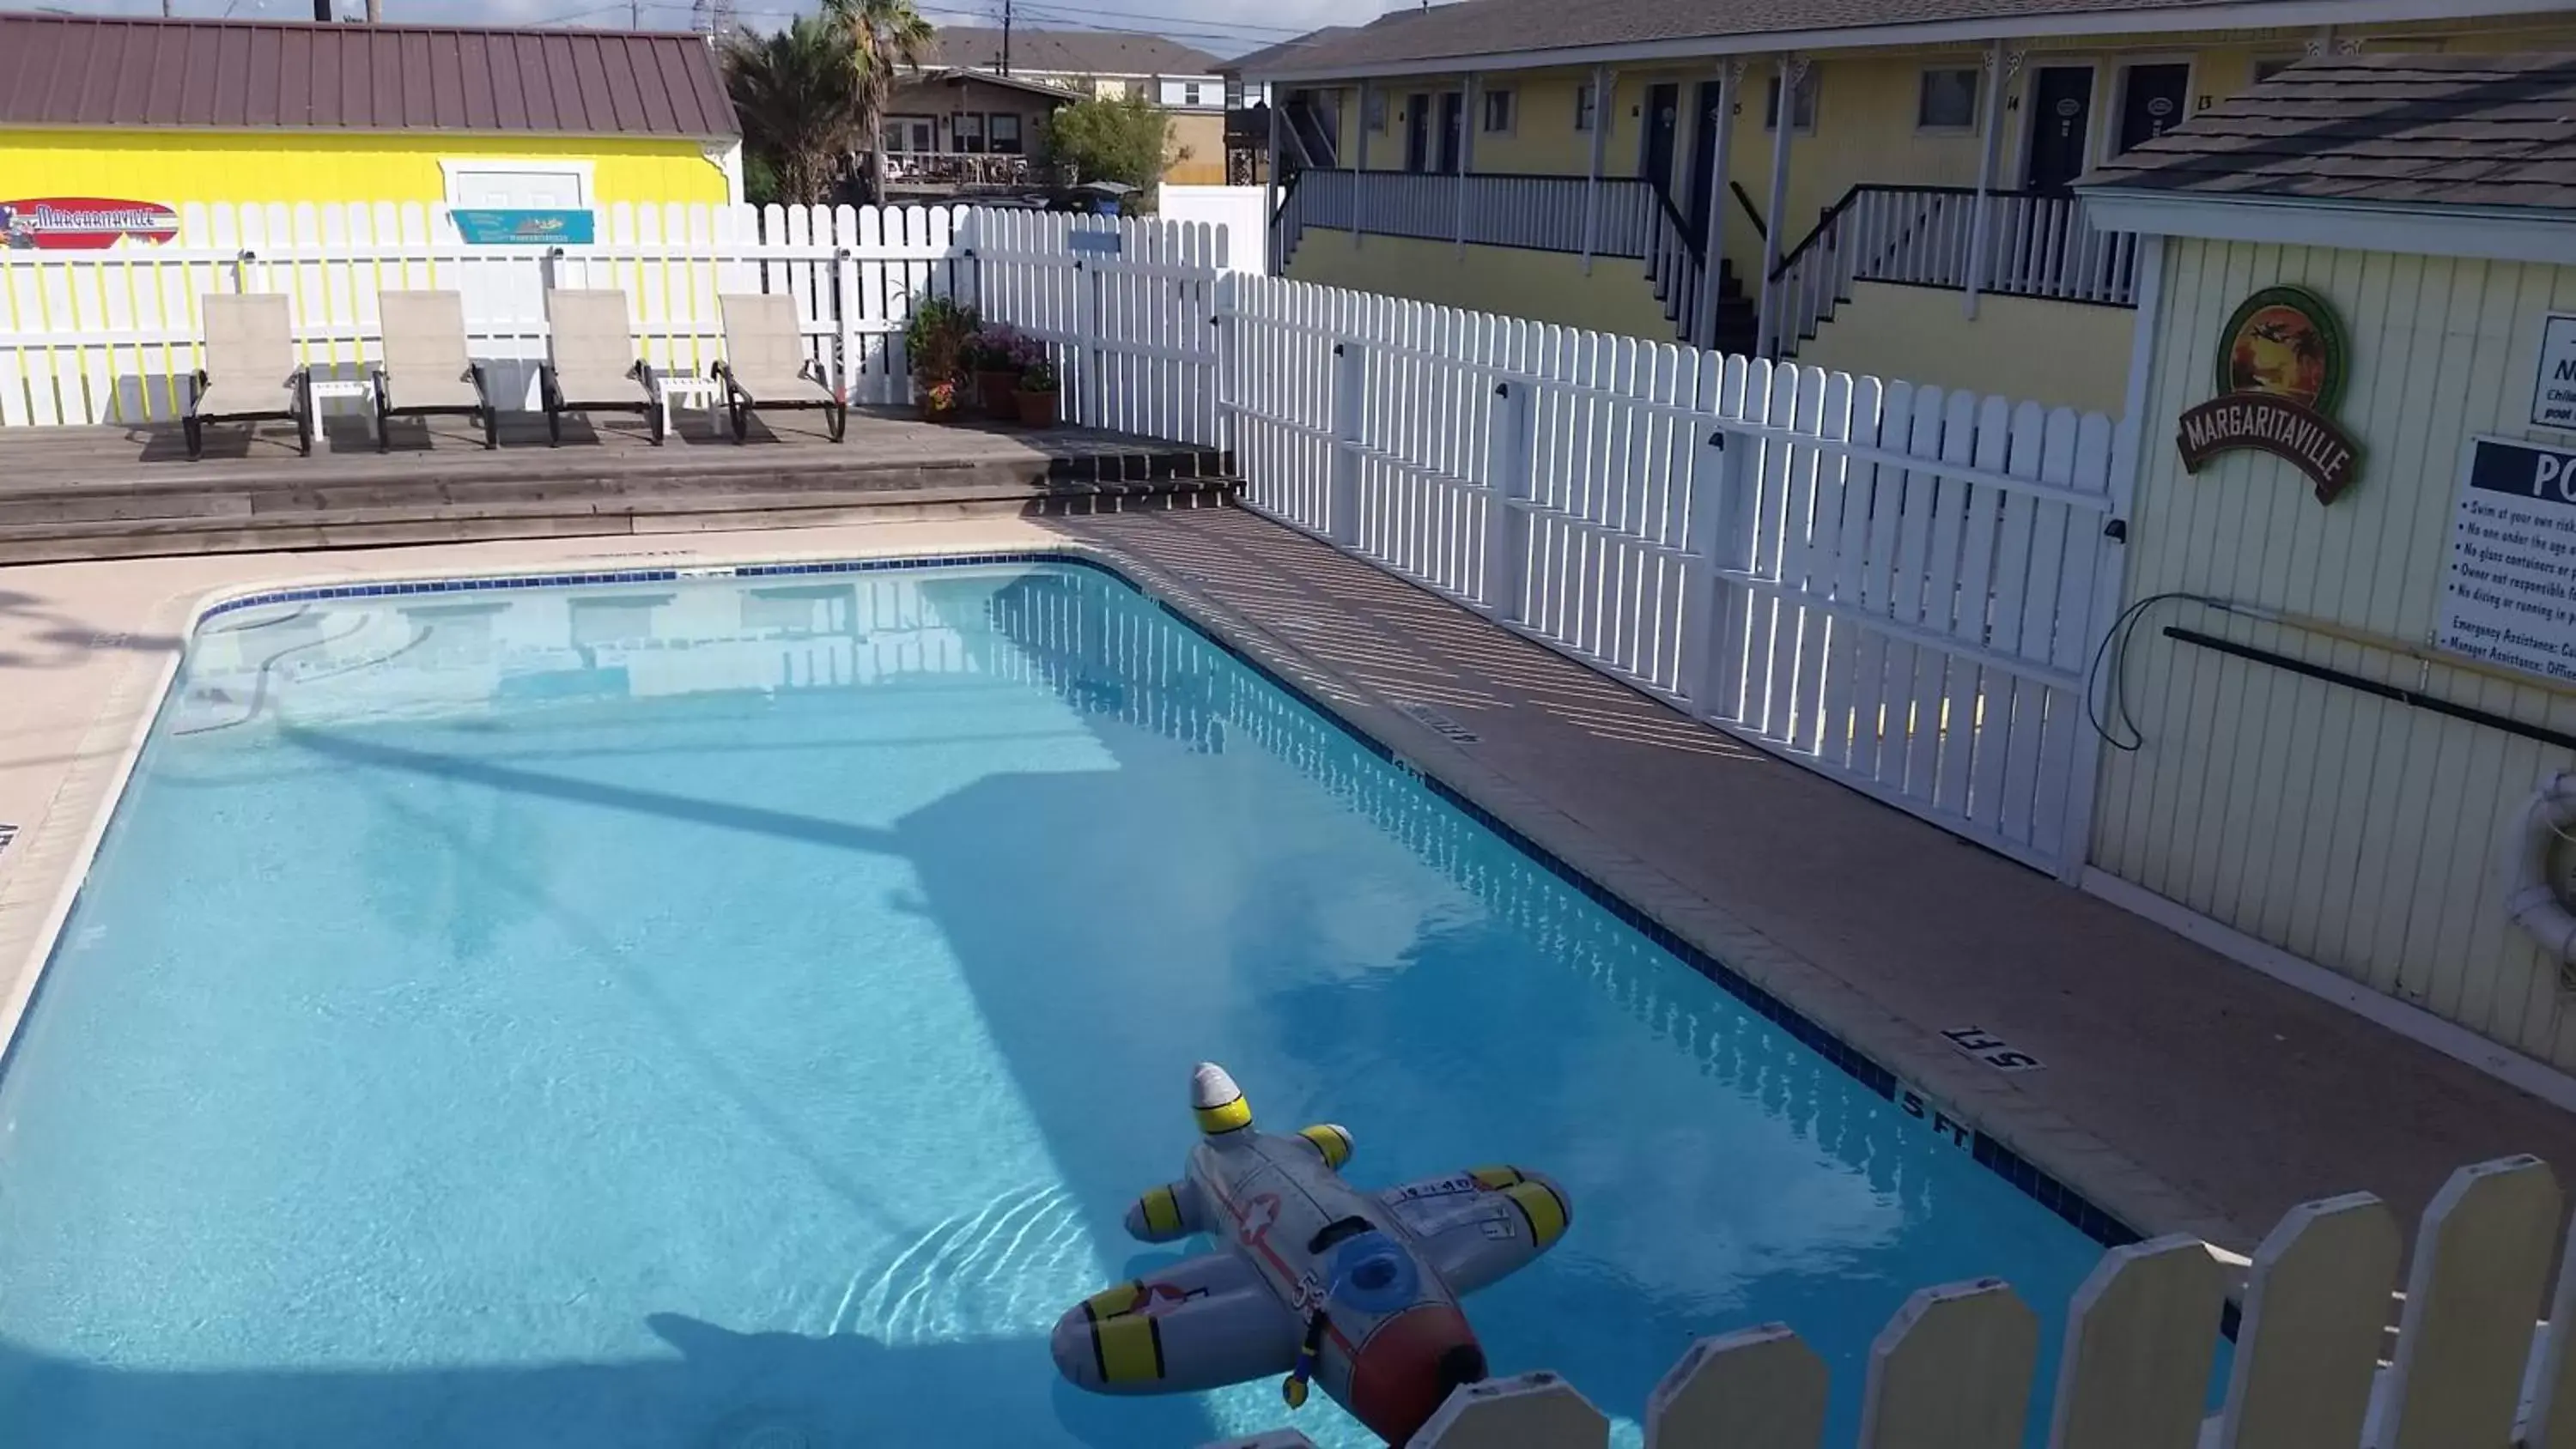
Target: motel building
{"x":1621,"y":165}
{"x":2341,"y":703}
{"x":112,"y":129}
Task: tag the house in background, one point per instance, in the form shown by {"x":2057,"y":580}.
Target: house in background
{"x":1620,"y":165}
{"x":162,"y":113}
{"x":1184,"y":82}
{"x":958,"y":132}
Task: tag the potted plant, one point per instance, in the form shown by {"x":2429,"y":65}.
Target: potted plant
{"x":994,"y":358}
{"x":1036,"y":395}
{"x":934,"y":342}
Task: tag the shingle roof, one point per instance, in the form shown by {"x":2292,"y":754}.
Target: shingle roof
{"x":91,"y":70}
{"x":1508,"y":27}
{"x":2471,"y":130}
{"x":1068,"y":52}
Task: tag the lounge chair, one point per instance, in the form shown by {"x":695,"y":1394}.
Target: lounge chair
{"x":426,"y":370}
{"x":250,"y":370}
{"x":765,"y":364}
{"x":594,"y":365}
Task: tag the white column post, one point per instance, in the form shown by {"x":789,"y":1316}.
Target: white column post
{"x":1342,"y":495}
{"x":1721,"y":151}
{"x":1592,"y":179}
{"x":1467,"y":122}
{"x":1980,"y":225}
{"x":1359,"y":166}
{"x":1706,"y":595}
{"x":1270,"y":186}
{"x":1791,"y":69}
{"x":1506,"y":499}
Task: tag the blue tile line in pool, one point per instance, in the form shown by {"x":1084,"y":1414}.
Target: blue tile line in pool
{"x":1987,"y":1151}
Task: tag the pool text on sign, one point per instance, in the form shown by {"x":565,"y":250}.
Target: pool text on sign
{"x":1922,"y":1108}
{"x":2553,"y":392}
{"x":1991,"y":1049}
{"x":2509,"y":596}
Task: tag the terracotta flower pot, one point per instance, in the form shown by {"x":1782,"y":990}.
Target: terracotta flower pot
{"x":996,"y":390}
{"x":1037,"y":409}
{"x":935,"y":411}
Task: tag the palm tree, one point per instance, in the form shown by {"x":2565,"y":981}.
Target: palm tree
{"x":882,"y":35}
{"x":796,"y":92}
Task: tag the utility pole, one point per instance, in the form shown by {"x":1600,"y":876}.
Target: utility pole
{"x":375,"y":11}
{"x":1006,"y":37}
{"x":634,"y":14}
{"x":322,"y":12}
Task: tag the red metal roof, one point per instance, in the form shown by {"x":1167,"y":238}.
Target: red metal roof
{"x":94,"y":70}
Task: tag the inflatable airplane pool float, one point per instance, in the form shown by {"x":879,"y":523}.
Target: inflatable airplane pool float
{"x":1311,"y":1278}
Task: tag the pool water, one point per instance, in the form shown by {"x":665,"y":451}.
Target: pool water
{"x":736,"y":1012}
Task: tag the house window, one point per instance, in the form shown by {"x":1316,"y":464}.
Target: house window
{"x":1190,"y":93}
{"x":1002,"y":132}
{"x":909,"y":133}
{"x":1804,"y":117}
{"x":1586,"y":105}
{"x":1498,"y":111}
{"x":969,"y":131}
{"x":1948,"y":101}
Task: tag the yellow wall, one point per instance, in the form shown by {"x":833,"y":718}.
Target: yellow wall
{"x":1198,"y":141}
{"x":175,"y":167}
{"x":1548,"y":286}
{"x":2018,"y":347}
{"x":2356,"y":832}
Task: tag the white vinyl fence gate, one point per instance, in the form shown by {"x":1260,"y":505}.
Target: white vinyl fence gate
{"x":1896,"y":586}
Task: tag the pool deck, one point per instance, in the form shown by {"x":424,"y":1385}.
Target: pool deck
{"x":2181,"y":1091}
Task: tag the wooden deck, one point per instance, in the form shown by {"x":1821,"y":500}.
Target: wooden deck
{"x":112,"y":492}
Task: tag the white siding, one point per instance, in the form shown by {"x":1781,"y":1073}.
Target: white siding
{"x":2360,"y":833}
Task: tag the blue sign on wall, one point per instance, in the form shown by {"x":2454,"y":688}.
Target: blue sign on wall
{"x":526,"y":226}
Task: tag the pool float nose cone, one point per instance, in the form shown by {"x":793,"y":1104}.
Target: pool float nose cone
{"x":1217,"y":1100}
{"x":1406,"y":1370}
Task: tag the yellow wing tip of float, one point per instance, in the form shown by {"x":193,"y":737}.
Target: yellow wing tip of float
{"x":1546,"y":1211}
{"x":1128,"y":1348}
{"x":1220,"y":1104}
{"x":1162,"y":1212}
{"x":1331,"y":1140}
{"x":1494,"y":1179}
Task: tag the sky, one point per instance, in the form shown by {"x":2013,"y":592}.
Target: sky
{"x":1221,"y":27}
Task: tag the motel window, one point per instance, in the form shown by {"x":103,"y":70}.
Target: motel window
{"x":1498,"y":111}
{"x":1948,"y":101}
{"x":1586,"y":104}
{"x":969,"y":130}
{"x":1002,"y":131}
{"x":1805,"y":115}
{"x":1375,"y":120}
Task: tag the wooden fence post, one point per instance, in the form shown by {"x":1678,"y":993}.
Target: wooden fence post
{"x":1506,"y":499}
{"x":1758,"y":1388}
{"x":1342,"y":506}
{"x":2472,"y":1295}
{"x":1525,"y":1411}
{"x":1952,"y":1370}
{"x":2139,"y":1340}
{"x":2308,"y":1344}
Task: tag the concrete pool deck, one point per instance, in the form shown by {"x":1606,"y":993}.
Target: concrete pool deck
{"x":2180,"y":1091}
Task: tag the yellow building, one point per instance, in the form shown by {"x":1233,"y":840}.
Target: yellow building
{"x":1593,"y":164}
{"x":162,"y":113}
{"x":2346,"y":701}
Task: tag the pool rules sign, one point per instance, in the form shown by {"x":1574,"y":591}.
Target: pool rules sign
{"x":2509,"y":597}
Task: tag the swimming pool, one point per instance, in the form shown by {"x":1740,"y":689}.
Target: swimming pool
{"x":736,"y":1011}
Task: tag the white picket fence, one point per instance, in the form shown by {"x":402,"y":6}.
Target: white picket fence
{"x":109,"y":336}
{"x":1895,"y":585}
{"x":1952,"y":1369}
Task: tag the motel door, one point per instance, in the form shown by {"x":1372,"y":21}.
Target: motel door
{"x":505,"y":302}
{"x":2061,"y":119}
{"x":1663,"y":118}
{"x":1711,"y":96}
{"x":1417,"y":132}
{"x":2151,"y":103}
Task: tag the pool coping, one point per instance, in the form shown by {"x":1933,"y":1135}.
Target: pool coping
{"x":2078,"y":1177}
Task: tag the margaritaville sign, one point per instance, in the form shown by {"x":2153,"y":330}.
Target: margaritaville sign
{"x":2280,"y":371}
